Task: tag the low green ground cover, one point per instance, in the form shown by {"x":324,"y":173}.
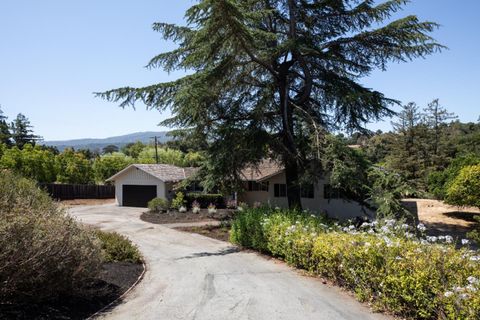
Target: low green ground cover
{"x":389,"y":264}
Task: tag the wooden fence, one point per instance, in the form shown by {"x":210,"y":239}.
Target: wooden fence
{"x":79,"y":191}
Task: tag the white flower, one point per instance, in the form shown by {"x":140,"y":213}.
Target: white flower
{"x":448,"y":239}
{"x":385,"y":229}
{"x":367,"y":244}
{"x":465,"y":241}
{"x":351,"y":227}
{"x":471,"y":288}
{"x":390,"y":222}
{"x":409,"y":235}
{"x":432,"y":239}
{"x":421,"y":227}
{"x":473,"y":280}
{"x":405,"y":226}
{"x":464,"y":296}
{"x":398,"y":258}
{"x":371,"y":231}
{"x":448,"y":294}
{"x":475,"y":258}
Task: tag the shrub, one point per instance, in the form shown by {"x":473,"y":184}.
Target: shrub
{"x":118,"y":248}
{"x":195,"y":207}
{"x":178,"y":201}
{"x":44,"y":252}
{"x":212,"y":209}
{"x":465,"y":188}
{"x":204,"y":199}
{"x":231,"y":204}
{"x":383,"y":263}
{"x":158,"y":205}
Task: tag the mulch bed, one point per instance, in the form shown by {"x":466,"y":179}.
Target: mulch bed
{"x":185,"y":217}
{"x":112,"y":282}
{"x":221,"y":232}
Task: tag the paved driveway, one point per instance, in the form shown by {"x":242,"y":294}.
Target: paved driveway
{"x":193,"y":277}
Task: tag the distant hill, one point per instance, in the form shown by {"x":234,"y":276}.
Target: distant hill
{"x":119,"y":141}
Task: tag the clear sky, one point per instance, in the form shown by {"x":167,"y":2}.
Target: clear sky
{"x":54,"y":54}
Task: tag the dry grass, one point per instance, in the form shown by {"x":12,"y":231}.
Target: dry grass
{"x":86,"y":202}
{"x":441,"y":218}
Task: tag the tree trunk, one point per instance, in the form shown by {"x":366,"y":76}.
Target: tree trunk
{"x":290,"y":150}
{"x":293,"y":188}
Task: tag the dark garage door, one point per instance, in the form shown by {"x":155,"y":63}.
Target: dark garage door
{"x":138,"y":196}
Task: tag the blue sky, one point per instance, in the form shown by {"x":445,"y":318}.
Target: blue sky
{"x":54,"y":54}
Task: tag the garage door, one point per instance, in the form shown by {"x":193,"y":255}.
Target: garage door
{"x":138,"y":196}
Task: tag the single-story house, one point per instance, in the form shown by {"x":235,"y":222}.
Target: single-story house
{"x":139,"y":183}
{"x":266,"y":184}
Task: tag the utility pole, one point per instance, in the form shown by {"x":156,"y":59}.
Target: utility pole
{"x":156,"y":149}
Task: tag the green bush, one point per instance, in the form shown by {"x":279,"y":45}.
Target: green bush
{"x":440,"y":181}
{"x":118,"y":248}
{"x":384,"y":264}
{"x":465,"y":188}
{"x":44,"y":252}
{"x":178,"y":201}
{"x":158,"y":205}
{"x":205,"y":199}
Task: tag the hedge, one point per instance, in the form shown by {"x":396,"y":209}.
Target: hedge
{"x":383,"y":263}
{"x":204,"y":199}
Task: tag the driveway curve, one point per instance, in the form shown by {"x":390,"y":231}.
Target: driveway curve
{"x":194,"y":277}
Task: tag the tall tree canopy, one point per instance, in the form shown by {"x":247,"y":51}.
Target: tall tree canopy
{"x":5,"y":135}
{"x":269,"y":77}
{"x":22,"y":131}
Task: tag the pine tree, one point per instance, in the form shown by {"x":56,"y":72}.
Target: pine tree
{"x":408,"y":153}
{"x":436,"y":117}
{"x":5,"y":135}
{"x":269,"y":78}
{"x":22,"y":132}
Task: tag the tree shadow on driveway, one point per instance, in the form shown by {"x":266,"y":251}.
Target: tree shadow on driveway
{"x":221,"y":252}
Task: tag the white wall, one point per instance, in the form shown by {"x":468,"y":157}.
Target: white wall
{"x":335,"y":208}
{"x":136,"y":176}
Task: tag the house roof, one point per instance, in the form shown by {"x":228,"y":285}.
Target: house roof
{"x":264,"y":170}
{"x":164,"y":172}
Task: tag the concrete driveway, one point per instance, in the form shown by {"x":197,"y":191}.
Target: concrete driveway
{"x":193,"y":277}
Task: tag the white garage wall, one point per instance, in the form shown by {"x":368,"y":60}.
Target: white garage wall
{"x":136,"y":176}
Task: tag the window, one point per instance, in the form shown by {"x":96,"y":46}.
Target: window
{"x":195,"y":187}
{"x":279,"y":190}
{"x":331,"y":193}
{"x":307,"y":191}
{"x":257,"y":186}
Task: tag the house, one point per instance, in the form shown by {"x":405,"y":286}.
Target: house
{"x":137,"y":184}
{"x":266,"y":184}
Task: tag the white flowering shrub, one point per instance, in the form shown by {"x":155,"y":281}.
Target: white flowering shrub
{"x":387,"y":263}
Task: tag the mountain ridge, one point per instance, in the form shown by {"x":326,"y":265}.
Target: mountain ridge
{"x":99,"y":143}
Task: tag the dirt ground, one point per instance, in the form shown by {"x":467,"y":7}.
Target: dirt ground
{"x":184,"y":217}
{"x":441,"y":218}
{"x":215,"y":232}
{"x":86,"y":202}
{"x":113,"y":280}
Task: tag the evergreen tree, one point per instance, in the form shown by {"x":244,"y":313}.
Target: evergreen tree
{"x":269,"y":78}
{"x":5,"y":135}
{"x":408,"y":154}
{"x":22,"y":132}
{"x":436,"y":118}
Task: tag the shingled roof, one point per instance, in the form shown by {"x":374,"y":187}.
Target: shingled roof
{"x":164,"y":172}
{"x":261,"y":171}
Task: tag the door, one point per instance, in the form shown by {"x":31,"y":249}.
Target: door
{"x":137,"y":195}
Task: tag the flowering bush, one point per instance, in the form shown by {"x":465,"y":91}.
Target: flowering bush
{"x":231,"y":204}
{"x":195,"y":207}
{"x":212,"y":208}
{"x":387,"y":263}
